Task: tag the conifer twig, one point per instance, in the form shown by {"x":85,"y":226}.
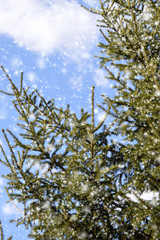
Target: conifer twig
{"x":13,"y":202}
{"x":101,"y":123}
{"x":92,"y":124}
{"x":93,"y":107}
{"x":10,"y":94}
{"x":153,"y":128}
{"x":23,"y":213}
{"x":21,"y":85}
{"x":15,"y":90}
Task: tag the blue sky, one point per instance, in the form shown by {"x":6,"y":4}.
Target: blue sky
{"x":53,"y":43}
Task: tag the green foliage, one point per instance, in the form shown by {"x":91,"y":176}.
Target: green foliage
{"x":132,"y":48}
{"x":62,"y":169}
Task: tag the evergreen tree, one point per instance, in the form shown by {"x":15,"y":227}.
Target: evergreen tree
{"x":62,"y":169}
{"x":131,"y":49}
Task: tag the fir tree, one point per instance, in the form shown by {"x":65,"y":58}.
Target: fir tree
{"x":62,"y":169}
{"x":131,"y":57}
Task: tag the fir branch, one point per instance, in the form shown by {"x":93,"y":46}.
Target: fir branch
{"x":102,"y":122}
{"x":107,"y":39}
{"x":92,"y":104}
{"x":14,"y":88}
{"x":14,"y":162}
{"x":10,"y":94}
{"x":12,"y":201}
{"x":29,"y":99}
{"x":92,"y":10}
{"x":25,"y":92}
{"x":10,"y":238}
{"x":154,"y":129}
{"x":18,"y":142}
{"x":21,"y":84}
{"x":20,"y":112}
{"x":8,"y":163}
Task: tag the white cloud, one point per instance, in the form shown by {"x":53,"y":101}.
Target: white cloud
{"x":46,"y":27}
